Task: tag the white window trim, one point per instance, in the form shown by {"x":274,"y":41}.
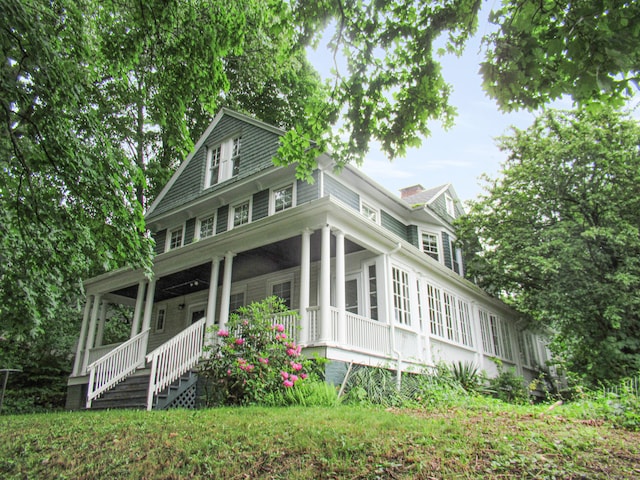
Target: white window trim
{"x":225,"y":166}
{"x":289,"y":277}
{"x":196,"y":235}
{"x":236,"y":289}
{"x":272,"y":196}
{"x":209,"y":157}
{"x":369,"y":206}
{"x":161,"y":308}
{"x":438,"y":244}
{"x":230,"y":225}
{"x":192,"y":307}
{"x":450,"y":205}
{"x":168,"y":239}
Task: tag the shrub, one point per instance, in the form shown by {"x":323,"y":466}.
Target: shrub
{"x":253,"y":359}
{"x":467,"y":375}
{"x":508,"y":386}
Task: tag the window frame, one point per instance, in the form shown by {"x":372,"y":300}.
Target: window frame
{"x":229,"y":157}
{"x":401,"y":296}
{"x":163,"y":309}
{"x":280,"y":280}
{"x":198,"y":230}
{"x":437,"y":238}
{"x":376,"y":211}
{"x":232,"y":211}
{"x":170,"y":232}
{"x":449,"y":205}
{"x":279,"y":188}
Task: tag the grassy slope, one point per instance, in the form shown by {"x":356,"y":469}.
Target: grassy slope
{"x":296,"y":443}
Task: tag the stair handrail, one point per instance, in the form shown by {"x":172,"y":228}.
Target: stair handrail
{"x":174,"y":358}
{"x":112,"y":368}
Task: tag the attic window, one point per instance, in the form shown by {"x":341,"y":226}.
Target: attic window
{"x":451,"y":210}
{"x":223,"y":161}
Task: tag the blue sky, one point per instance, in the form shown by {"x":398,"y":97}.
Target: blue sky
{"x":461,"y":154}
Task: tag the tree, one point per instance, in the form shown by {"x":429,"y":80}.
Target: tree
{"x":588,"y":49}
{"x":560,"y":236}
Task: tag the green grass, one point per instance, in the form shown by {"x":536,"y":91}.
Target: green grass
{"x":483,"y":440}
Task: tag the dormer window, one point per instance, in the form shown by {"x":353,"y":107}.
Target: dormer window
{"x":223,"y":161}
{"x":451,"y":209}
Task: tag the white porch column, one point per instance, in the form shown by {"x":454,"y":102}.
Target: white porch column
{"x":226,"y":289}
{"x":146,"y":319}
{"x":213,"y":293}
{"x":325,"y":285}
{"x":97,"y":301}
{"x":305,"y":285}
{"x":83,"y":333}
{"x":137,"y":313}
{"x":101,"y":320}
{"x":340,"y":287}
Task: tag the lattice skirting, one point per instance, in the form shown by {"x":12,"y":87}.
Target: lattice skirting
{"x":186,"y":399}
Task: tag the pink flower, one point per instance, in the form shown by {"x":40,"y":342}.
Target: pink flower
{"x":288,"y":383}
{"x":281,"y":336}
{"x":223,"y":333}
{"x":303,"y":376}
{"x":279,"y":327}
{"x":263,"y":360}
{"x":296,"y":366}
{"x":284,"y":375}
{"x":291,"y":352}
{"x":293,"y":378}
{"x":229,"y":372}
{"x":239,"y":341}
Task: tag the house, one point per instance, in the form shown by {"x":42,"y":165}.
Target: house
{"x":377,"y":279}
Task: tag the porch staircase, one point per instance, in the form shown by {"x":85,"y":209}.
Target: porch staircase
{"x":126,"y":378}
{"x":132,"y":393}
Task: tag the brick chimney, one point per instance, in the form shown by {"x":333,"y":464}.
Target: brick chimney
{"x":410,"y":191}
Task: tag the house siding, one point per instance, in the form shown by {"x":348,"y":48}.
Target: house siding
{"x":341,"y":192}
{"x":160,"y":239}
{"x":189,"y":231}
{"x":307,"y":192}
{"x":413,"y":236}
{"x":222,"y":219}
{"x":393,"y":225}
{"x":259,"y":146}
{"x":260,"y":205}
{"x":446,"y":250}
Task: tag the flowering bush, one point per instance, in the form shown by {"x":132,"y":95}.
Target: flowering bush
{"x":253,"y":357}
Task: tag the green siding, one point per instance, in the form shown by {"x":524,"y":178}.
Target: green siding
{"x":341,"y":192}
{"x":223,"y":219}
{"x":446,"y":250}
{"x":393,"y":225}
{"x":413,"y":236}
{"x":160,"y":239}
{"x":189,"y":231}
{"x":307,"y":192}
{"x":259,"y":146}
{"x":260,"y":205}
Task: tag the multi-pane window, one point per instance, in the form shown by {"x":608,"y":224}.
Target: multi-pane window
{"x":527,"y":350}
{"x":240,"y":214}
{"x":175,"y":238}
{"x":283,"y":198}
{"x":373,"y":292}
{"x":449,"y":316}
{"x":369,"y":212}
{"x":496,"y":335}
{"x":435,"y":311}
{"x":213,"y":161}
{"x":235,"y":155}
{"x":430,"y":245}
{"x":283,"y":291}
{"x":207,"y":226}
{"x":401,"y":300}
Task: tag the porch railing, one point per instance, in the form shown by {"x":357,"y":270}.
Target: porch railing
{"x":115,"y":366}
{"x":174,"y":358}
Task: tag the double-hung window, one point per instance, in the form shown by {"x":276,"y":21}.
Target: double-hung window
{"x":207,"y":226}
{"x":283,"y":290}
{"x":240,"y":214}
{"x":223,"y":161}
{"x":282,"y":198}
{"x":430,"y":245}
{"x":175,"y":238}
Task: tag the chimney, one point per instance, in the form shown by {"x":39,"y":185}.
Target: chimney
{"x":410,"y":191}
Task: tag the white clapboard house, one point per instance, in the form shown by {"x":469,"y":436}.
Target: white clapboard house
{"x":376,"y":278}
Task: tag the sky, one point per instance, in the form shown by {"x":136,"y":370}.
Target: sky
{"x":458,"y":155}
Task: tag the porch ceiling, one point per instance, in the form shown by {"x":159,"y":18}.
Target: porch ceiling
{"x":251,"y":263}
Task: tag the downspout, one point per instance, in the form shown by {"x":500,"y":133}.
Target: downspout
{"x":390,"y":316}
